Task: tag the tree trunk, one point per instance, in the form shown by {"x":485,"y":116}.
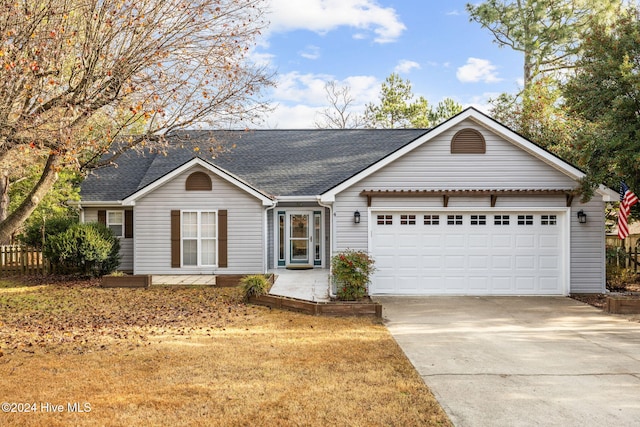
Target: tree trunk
{"x":13,"y":222}
{"x":4,"y":195}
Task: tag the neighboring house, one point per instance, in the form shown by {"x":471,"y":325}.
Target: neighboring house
{"x":468,"y":207}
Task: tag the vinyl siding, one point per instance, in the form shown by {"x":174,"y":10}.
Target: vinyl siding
{"x":126,"y":245}
{"x":504,"y":166}
{"x":152,"y":226}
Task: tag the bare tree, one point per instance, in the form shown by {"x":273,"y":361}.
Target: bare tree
{"x":338,"y":114}
{"x":78,"y":74}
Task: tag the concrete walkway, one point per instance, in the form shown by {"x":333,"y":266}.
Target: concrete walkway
{"x":528,"y":361}
{"x":308,"y":285}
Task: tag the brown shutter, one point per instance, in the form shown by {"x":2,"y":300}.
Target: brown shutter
{"x":175,"y":239}
{"x":222,"y":239}
{"x":128,"y":224}
{"x":102,"y":217}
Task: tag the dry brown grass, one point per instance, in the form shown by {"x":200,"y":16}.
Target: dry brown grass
{"x":198,"y":357}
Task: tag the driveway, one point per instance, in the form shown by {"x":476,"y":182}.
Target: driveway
{"x":521,"y":361}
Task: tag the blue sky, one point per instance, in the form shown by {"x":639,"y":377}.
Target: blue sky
{"x":359,"y":43}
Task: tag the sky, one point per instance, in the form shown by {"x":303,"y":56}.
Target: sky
{"x":359,"y":43}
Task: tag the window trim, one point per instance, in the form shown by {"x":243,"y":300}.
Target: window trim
{"x":199,"y":238}
{"x":121,"y":224}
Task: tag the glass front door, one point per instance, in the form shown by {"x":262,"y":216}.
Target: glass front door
{"x":300,"y":238}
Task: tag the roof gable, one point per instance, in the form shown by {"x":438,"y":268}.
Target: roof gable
{"x":479,"y":119}
{"x":130,"y":200}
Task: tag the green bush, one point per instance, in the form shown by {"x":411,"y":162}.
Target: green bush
{"x":36,"y":234}
{"x":254,"y":285}
{"x":90,"y":249}
{"x":351,"y":272}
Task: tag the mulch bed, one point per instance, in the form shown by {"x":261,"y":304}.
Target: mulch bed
{"x":599,"y":300}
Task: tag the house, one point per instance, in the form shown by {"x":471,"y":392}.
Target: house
{"x":466,"y":208}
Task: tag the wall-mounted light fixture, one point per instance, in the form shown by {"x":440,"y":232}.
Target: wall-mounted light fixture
{"x":582,"y":217}
{"x":356,"y":217}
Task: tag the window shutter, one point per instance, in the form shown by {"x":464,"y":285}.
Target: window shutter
{"x":102,"y":217}
{"x":175,"y":239}
{"x":128,"y":224}
{"x":222,"y":239}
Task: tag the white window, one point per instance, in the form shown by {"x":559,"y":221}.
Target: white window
{"x":478,"y":220}
{"x":501,"y":219}
{"x":454,"y":219}
{"x":199,"y":238}
{"x":548,"y":220}
{"x":407,"y":220}
{"x":525,"y":219}
{"x":385,"y":219}
{"x":431,"y":219}
{"x":115,"y":221}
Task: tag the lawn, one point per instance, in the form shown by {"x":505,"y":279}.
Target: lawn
{"x":195,"y":356}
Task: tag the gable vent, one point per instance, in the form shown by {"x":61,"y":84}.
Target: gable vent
{"x":468,"y":141}
{"x":198,"y":181}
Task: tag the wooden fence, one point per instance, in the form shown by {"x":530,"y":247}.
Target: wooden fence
{"x":625,"y":254}
{"x":15,"y":259}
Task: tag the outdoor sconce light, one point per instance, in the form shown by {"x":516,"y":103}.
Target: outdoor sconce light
{"x":356,"y":217}
{"x":582,"y":217}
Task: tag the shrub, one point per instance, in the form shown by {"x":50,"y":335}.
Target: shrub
{"x":90,"y":249}
{"x":618,"y":277}
{"x":254,"y":285}
{"x":36,"y":234}
{"x":351,"y":272}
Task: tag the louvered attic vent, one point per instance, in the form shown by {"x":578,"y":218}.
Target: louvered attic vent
{"x":468,"y":141}
{"x":198,"y":181}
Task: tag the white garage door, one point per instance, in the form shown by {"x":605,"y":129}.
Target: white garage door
{"x":463,"y":253}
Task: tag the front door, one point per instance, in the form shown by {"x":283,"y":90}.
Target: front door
{"x":299,"y":237}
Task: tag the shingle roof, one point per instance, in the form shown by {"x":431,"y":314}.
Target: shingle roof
{"x":277,"y":162}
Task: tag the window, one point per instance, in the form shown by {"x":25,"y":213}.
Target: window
{"x":432,"y":220}
{"x":199,"y":238}
{"x":407,"y":219}
{"x":525,"y":219}
{"x":115,"y":221}
{"x":548,"y":220}
{"x":478,"y":220}
{"x":281,"y":231}
{"x":385,"y":219}
{"x":454,"y":219}
{"x":501,"y":219}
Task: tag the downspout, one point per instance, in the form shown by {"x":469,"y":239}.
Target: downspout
{"x":331,"y":240}
{"x":266,"y":235}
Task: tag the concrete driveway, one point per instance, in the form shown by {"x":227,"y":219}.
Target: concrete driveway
{"x":529,"y":361}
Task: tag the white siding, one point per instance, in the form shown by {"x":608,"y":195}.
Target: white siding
{"x":504,"y":166}
{"x":126,"y":245}
{"x":152,"y":225}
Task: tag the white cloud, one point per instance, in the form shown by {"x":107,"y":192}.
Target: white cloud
{"x":322,"y":16}
{"x":478,"y":70}
{"x":311,"y":52}
{"x":405,"y":66}
{"x":300,"y":97}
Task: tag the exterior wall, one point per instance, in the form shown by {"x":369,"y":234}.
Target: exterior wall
{"x":504,"y":166}
{"x":152,"y":226}
{"x":126,"y":245}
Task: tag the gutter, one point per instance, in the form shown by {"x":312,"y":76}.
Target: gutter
{"x":266,"y":235}
{"x":331,"y":240}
